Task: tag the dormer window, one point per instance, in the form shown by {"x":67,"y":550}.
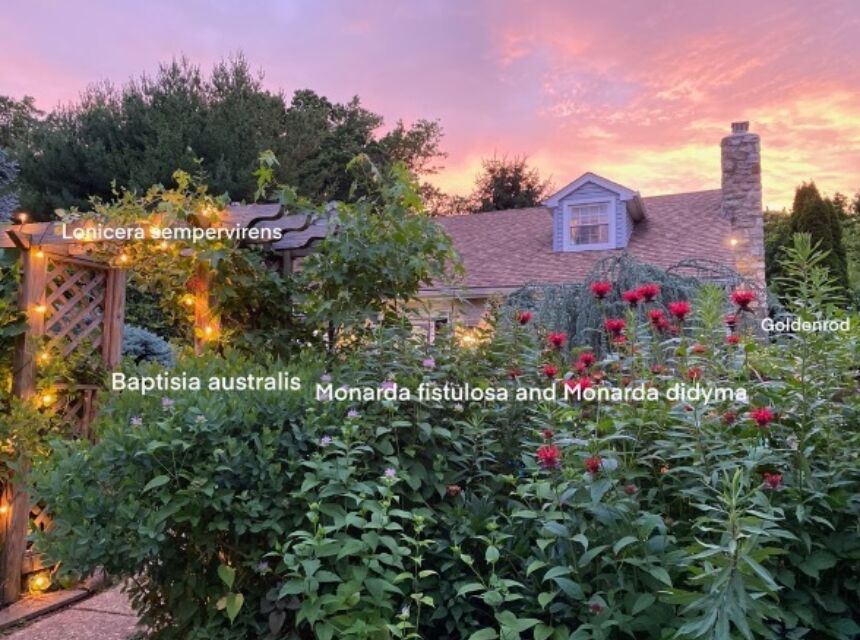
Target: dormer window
{"x":589,"y":225}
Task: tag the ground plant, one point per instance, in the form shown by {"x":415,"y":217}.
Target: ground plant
{"x":310,"y":513}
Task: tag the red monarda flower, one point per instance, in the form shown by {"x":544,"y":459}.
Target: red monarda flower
{"x":680,"y":309}
{"x":548,"y":434}
{"x":580,"y":384}
{"x":772,"y":480}
{"x":632,"y":297}
{"x":694,"y":373}
{"x":524,"y":317}
{"x":601,"y":289}
{"x":733,"y":339}
{"x":762,"y":416}
{"x":631,"y":489}
{"x":657,"y":368}
{"x":550,"y":371}
{"x":593,"y":464}
{"x":587,"y":358}
{"x":743,"y":298}
{"x":698,"y":348}
{"x":549,"y":456}
{"x":729,"y":417}
{"x":656,"y":315}
{"x":731,"y":320}
{"x":557,"y":339}
{"x":649,"y":291}
{"x":615,"y":325}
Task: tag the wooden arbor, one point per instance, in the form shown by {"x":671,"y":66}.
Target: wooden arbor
{"x":74,"y":302}
{"x":70,"y":303}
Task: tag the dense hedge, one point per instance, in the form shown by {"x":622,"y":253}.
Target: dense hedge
{"x":266,"y":514}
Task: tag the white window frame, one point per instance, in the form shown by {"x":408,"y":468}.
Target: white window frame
{"x":570,"y":245}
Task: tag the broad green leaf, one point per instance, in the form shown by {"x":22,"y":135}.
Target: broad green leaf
{"x":234,"y":603}
{"x":227,"y":575}
{"x":156,"y":482}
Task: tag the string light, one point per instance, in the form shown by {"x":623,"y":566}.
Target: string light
{"x":733,"y":242}
{"x":22,"y":217}
{"x":40,"y":309}
{"x":162,"y":245}
{"x":4,"y":509}
{"x":188,"y":300}
{"x":40,"y":253}
{"x":47,"y":399}
{"x":44,"y":356}
{"x":39,"y":582}
{"x":123,"y":258}
{"x":208,"y":331}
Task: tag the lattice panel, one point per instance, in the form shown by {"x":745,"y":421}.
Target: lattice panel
{"x":75,"y":301}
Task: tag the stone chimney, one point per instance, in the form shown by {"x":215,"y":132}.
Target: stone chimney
{"x":741,"y":206}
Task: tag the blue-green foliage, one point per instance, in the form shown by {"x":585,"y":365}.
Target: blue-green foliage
{"x":144,"y":346}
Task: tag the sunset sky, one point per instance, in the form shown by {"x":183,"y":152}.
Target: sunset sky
{"x":640,"y":92}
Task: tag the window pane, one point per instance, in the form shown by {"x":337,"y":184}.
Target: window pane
{"x":589,"y":224}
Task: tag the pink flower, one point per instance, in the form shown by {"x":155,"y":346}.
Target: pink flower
{"x":632,"y":297}
{"x":762,"y":416}
{"x":524,"y":317}
{"x":557,"y":339}
{"x":428,"y":363}
{"x":729,"y":417}
{"x":548,"y":434}
{"x":694,"y":373}
{"x":580,"y":384}
{"x":731,"y":320}
{"x":550,"y":371}
{"x":631,"y":489}
{"x":549,"y":456}
{"x":601,"y":289}
{"x":680,"y":309}
{"x":614,"y":325}
{"x":773,"y":480}
{"x":593,"y":464}
{"x":743,"y":298}
{"x":649,"y":291}
{"x":587,"y":358}
{"x":733,"y":339}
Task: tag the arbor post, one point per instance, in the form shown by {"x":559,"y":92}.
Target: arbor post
{"x":15,"y":500}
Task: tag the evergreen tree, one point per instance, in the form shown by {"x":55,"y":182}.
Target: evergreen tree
{"x":818,"y":217}
{"x":8,"y":199}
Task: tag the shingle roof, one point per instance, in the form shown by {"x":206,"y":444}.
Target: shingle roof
{"x":507,"y":249}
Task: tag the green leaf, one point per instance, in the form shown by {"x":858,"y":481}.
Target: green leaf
{"x":492,"y":555}
{"x":227,"y":575}
{"x":660,"y":574}
{"x":234,"y":602}
{"x":571,"y":588}
{"x":156,"y":482}
{"x":534,"y":566}
{"x":484,"y":634}
{"x":624,"y":542}
{"x":542,"y":631}
{"x":470,"y":587}
{"x":545,"y":597}
{"x":643,"y":602}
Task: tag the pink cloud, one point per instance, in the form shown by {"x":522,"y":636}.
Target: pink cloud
{"x":641,"y":92}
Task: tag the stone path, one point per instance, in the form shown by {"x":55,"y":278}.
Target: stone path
{"x":105,"y":616}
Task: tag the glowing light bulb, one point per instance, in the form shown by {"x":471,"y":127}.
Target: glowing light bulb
{"x":162,"y":245}
{"x":22,"y":217}
{"x":47,"y":399}
{"x":733,"y":242}
{"x":188,"y":300}
{"x":44,"y":356}
{"x":4,"y":509}
{"x":40,"y":253}
{"x":40,"y":582}
{"x":209,"y":331}
{"x":123,"y":258}
{"x":40,"y":308}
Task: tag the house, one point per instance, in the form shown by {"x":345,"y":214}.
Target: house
{"x":593,"y":218}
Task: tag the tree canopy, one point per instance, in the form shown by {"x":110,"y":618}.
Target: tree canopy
{"x":213,"y":126}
